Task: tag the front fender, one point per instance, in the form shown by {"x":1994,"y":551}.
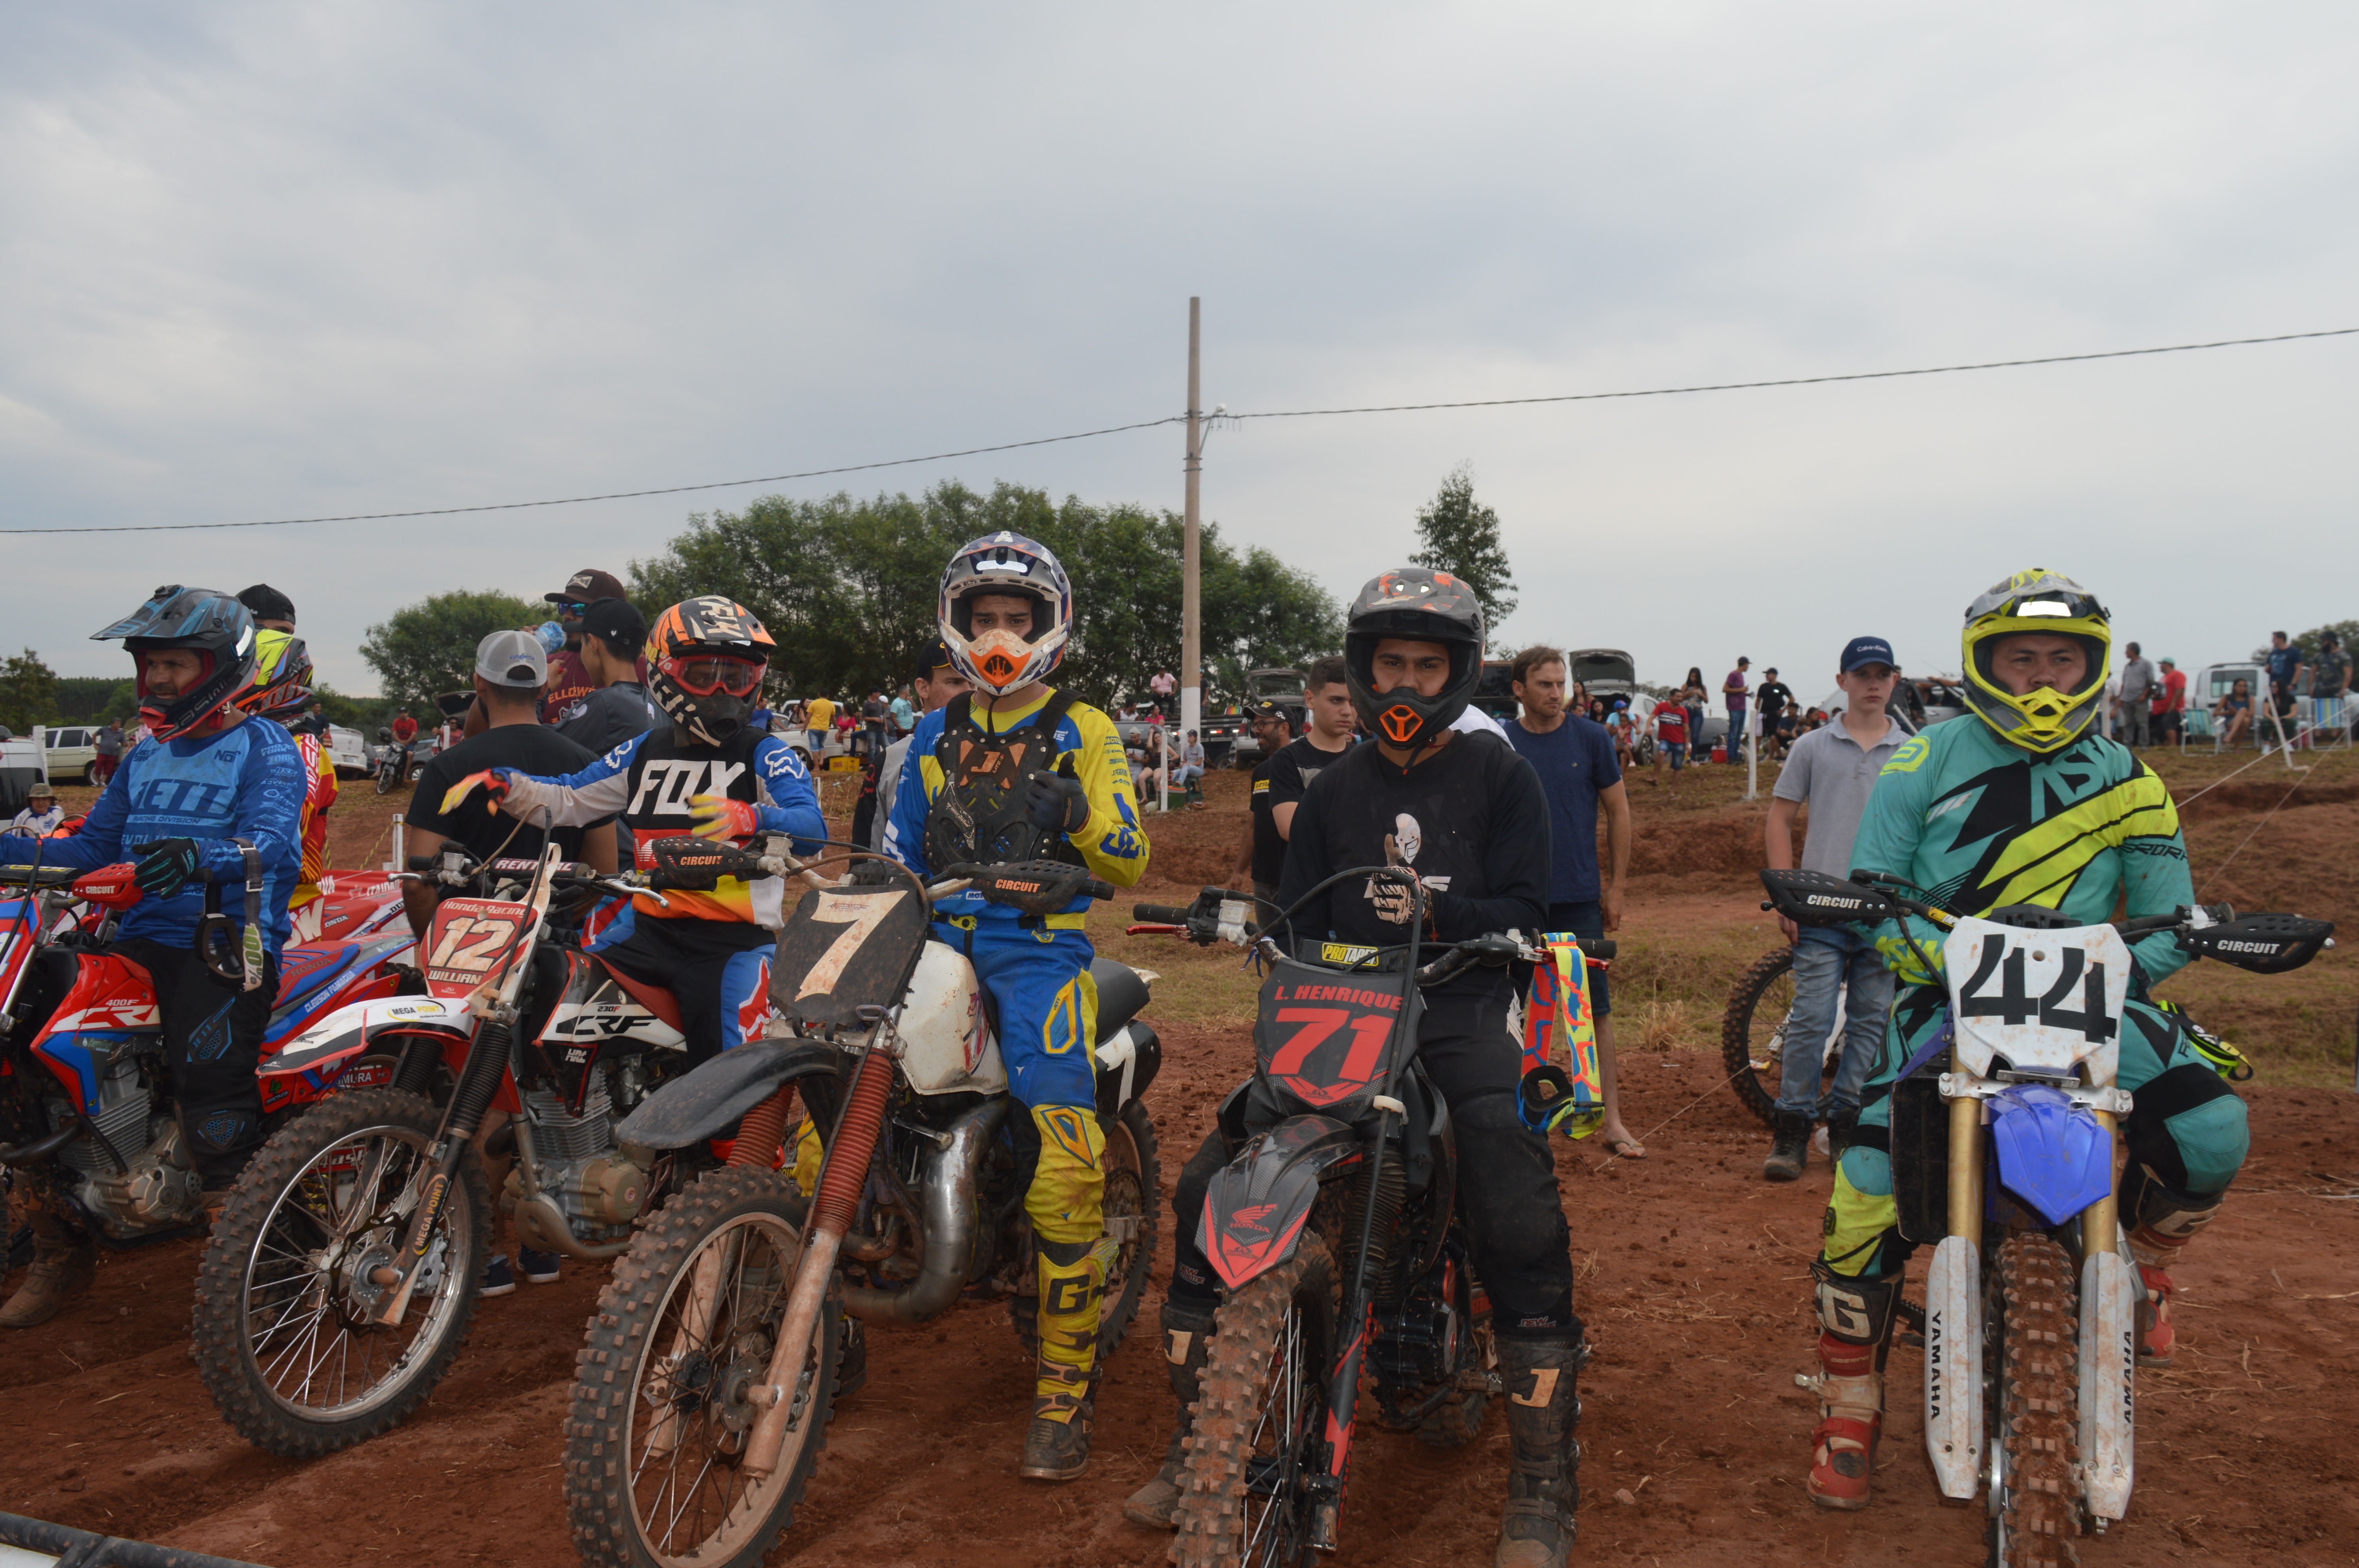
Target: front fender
{"x":347,"y":1030}
{"x":1255,"y":1204}
{"x":710,"y":1100}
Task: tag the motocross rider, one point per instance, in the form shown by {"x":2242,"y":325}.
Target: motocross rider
{"x":1016,"y":770}
{"x":1466,"y":814}
{"x":2033,"y":804}
{"x":207,"y":800}
{"x":705,"y":772}
{"x":281,"y":690}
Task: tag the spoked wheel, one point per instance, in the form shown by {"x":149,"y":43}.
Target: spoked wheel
{"x":1133,"y":1178}
{"x":286,"y":1328}
{"x":665,"y":1399}
{"x":1253,"y":1450}
{"x":2034,"y":1410}
{"x":1752,"y":1034}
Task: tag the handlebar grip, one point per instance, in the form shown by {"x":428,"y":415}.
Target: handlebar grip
{"x":1094,"y":888}
{"x":1602,"y":947}
{"x":1161,"y":913}
{"x":421,"y":862}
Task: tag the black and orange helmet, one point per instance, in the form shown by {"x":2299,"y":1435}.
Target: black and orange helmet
{"x":1425,"y":606}
{"x":706,"y":658}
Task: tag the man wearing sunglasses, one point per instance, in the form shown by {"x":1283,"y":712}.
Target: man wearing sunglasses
{"x":569,"y":680}
{"x":706,"y":772}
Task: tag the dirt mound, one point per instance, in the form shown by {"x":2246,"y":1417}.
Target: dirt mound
{"x":2242,"y":797}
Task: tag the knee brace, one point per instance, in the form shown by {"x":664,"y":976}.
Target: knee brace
{"x":2162,"y":1220}
{"x":2187,"y":1130}
{"x":1068,"y":1189}
{"x":1856,"y":1312}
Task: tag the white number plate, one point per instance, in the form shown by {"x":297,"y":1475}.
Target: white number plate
{"x":2044,"y":1000}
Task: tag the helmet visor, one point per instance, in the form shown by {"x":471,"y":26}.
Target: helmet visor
{"x":2045,"y":601}
{"x":702,"y":674}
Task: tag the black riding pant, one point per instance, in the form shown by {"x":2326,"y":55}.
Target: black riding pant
{"x":213,"y":1038}
{"x":1508,"y":1196}
{"x":718,"y":970}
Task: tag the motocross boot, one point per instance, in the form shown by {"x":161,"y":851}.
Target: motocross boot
{"x":1536,"y":1527}
{"x":1855,"y":1325}
{"x":62,"y":1266}
{"x":1843,"y":1128}
{"x":2166,"y":1222}
{"x":1792,"y":1152}
{"x":1187,"y":1342}
{"x":1071,"y":1274}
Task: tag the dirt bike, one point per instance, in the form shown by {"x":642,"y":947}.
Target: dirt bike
{"x":1335,"y":1231}
{"x":1752,"y":1034}
{"x":88,"y":1085}
{"x":709,"y":1373}
{"x":343,"y":1274}
{"x":392,"y":763}
{"x":2003,"y":1155}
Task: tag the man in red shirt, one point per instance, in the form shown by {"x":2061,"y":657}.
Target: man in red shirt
{"x":405,"y":728}
{"x":2170,"y":702}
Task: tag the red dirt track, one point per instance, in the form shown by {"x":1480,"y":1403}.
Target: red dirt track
{"x":1692,"y":1277}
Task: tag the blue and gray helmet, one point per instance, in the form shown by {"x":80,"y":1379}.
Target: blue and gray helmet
{"x":215,"y":626}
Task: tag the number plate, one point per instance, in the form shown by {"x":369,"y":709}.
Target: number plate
{"x":840,"y":952}
{"x":2048,"y":1000}
{"x":1322,"y":1033}
{"x":470,"y":938}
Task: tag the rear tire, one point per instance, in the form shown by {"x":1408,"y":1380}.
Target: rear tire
{"x":2036,"y":1515}
{"x":1753,"y":1031}
{"x":282,"y":1293}
{"x":1260,"y":1412}
{"x":646,"y":1365}
{"x":1133,"y":1194}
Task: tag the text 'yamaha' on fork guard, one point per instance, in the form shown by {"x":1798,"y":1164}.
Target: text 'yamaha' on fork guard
{"x":1327,"y":1227}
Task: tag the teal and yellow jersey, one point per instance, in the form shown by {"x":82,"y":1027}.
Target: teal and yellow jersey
{"x":1110,"y":843}
{"x":1979,"y":824}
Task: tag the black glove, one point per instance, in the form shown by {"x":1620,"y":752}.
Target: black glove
{"x":1058,"y":803}
{"x":165,"y":866}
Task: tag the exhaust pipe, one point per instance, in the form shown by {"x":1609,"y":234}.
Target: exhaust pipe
{"x":948,"y":1193}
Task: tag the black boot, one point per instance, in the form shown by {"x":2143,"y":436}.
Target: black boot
{"x":1187,"y":1341}
{"x":1792,"y":1150}
{"x":1535,"y":1529}
{"x":1842,"y":1128}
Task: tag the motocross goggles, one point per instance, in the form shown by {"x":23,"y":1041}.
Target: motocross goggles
{"x":702,"y":674}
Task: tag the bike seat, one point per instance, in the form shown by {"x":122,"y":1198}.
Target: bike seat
{"x":654,"y":998}
{"x":302,"y":970}
{"x":1121,"y":993}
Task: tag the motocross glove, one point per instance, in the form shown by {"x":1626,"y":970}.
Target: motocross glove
{"x":493,"y":781}
{"x":718,"y":817}
{"x":165,"y":866}
{"x":1057,"y":802}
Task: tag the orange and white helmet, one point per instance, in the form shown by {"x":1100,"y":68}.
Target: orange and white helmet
{"x":1000,"y":661}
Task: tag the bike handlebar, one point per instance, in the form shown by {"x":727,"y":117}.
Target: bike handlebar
{"x":1162,"y":913}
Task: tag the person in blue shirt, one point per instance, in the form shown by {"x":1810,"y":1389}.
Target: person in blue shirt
{"x":210,"y":799}
{"x":1575,"y":759}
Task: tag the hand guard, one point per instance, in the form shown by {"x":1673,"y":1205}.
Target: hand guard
{"x":493,"y":781}
{"x":1057,"y":804}
{"x":718,"y":817}
{"x":165,"y":866}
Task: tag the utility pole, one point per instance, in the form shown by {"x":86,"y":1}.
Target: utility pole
{"x":1191,"y":640}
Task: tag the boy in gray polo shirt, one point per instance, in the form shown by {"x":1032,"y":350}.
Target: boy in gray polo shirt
{"x":1831,"y":770}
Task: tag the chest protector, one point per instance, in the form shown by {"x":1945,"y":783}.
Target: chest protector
{"x":980,"y":817}
{"x":666,"y":774}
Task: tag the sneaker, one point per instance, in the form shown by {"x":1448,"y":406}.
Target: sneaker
{"x":537,"y":1268}
{"x":499,"y":1280}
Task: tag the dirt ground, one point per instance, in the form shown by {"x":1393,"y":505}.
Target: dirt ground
{"x":1691,"y":1277}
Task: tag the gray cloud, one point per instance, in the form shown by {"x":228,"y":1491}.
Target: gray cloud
{"x":272,"y":260}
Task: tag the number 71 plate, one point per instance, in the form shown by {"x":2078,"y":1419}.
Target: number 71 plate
{"x":2048,"y":1000}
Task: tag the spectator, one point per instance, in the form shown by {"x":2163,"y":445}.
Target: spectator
{"x":2232,"y":715}
{"x":2285,"y":670}
{"x":1733,"y":690}
{"x":568,"y":682}
{"x":1670,"y":723}
{"x":1191,"y":764}
{"x":1832,"y":771}
{"x":1618,"y":724}
{"x":272,"y":611}
{"x":405,"y":728}
{"x":1574,"y":759}
{"x":2138,"y":697}
{"x":1692,"y":696}
{"x":2165,"y":723}
{"x":617,"y":706}
{"x":1770,"y":702}
{"x":41,"y":815}
{"x":2330,"y":677}
{"x":1289,"y":768}
{"x":818,"y":719}
{"x":875,"y":715}
{"x":109,"y":745}
{"x":905,"y":714}
{"x":1162,"y":684}
{"x":936,"y":681}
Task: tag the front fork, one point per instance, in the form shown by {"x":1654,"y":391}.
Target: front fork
{"x":487,"y":1063}
{"x":1357,"y":1322}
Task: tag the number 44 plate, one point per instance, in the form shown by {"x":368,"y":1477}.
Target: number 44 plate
{"x":2046,"y":1000}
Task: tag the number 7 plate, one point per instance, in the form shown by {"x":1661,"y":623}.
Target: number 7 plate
{"x":2046,"y":1000}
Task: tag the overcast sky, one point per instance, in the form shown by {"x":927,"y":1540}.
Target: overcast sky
{"x":274,"y":260}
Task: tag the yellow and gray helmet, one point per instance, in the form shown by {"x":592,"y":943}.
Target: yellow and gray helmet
{"x":2048,"y":605}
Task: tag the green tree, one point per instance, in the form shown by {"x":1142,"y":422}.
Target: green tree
{"x":848,"y":588}
{"x":428,"y":647}
{"x":1460,"y":535}
{"x":83,"y":698}
{"x":2345,"y":631}
{"x":28,"y":692}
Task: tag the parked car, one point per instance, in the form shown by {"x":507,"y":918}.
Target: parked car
{"x":20,"y":770}
{"x":348,"y":751}
{"x":70,"y":752}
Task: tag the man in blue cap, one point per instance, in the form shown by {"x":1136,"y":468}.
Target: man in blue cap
{"x":1831,"y":770}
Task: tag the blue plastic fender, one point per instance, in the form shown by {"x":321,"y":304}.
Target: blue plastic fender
{"x":2051,"y":1153}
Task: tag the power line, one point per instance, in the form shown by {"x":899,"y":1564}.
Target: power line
{"x":1798,"y":380}
{"x":1179,"y":419}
